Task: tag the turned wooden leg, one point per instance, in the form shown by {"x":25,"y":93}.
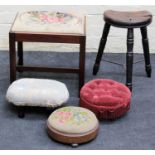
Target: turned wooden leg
{"x":82,"y":62}
{"x":20,"y":53}
{"x":101,"y":48}
{"x":21,"y":112}
{"x":145,"y":43}
{"x":129,"y":58}
{"x":12,"y":52}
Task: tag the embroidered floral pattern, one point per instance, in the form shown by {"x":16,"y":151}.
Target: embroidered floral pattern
{"x":49,"y":22}
{"x":72,"y":116}
{"x":44,"y":17}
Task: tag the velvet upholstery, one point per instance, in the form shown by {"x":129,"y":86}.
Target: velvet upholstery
{"x":108,"y":99}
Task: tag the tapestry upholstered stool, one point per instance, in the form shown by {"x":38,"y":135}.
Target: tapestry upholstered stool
{"x":129,"y":20}
{"x":36,"y":93}
{"x":72,"y":125}
{"x":108,"y":99}
{"x":52,"y":27}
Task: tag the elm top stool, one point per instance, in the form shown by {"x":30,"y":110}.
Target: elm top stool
{"x":44,"y":26}
{"x":129,"y":20}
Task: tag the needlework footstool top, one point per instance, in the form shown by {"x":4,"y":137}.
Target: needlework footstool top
{"x":49,"y":22}
{"x":73,"y":120}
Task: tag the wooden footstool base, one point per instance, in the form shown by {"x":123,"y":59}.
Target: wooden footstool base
{"x":73,"y":139}
{"x":72,"y":125}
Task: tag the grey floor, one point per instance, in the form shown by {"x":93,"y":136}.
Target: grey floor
{"x":136,"y":130}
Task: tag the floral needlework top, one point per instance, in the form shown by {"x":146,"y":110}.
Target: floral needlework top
{"x":49,"y":22}
{"x":45,"y":17}
{"x":72,"y":116}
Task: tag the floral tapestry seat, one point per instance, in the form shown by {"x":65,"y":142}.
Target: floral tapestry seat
{"x":72,"y":125}
{"x":49,"y":22}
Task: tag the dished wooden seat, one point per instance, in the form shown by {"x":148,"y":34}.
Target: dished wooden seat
{"x":128,"y":19}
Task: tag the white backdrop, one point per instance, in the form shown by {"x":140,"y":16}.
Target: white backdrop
{"x":116,"y":40}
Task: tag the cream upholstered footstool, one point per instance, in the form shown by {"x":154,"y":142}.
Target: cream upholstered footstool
{"x":37,"y":92}
{"x":72,"y":125}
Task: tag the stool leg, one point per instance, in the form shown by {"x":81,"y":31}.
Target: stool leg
{"x":129,"y":58}
{"x":20,"y":53}
{"x":145,"y":43}
{"x":82,"y":62}
{"x":21,"y":112}
{"x":101,"y":48}
{"x":12,"y":52}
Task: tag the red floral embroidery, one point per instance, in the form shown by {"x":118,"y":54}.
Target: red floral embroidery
{"x":50,"y":19}
{"x":63,"y":116}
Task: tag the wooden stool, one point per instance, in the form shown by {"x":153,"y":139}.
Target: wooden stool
{"x":43,"y":26}
{"x":129,"y":20}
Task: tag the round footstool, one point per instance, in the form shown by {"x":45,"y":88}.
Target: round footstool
{"x":72,"y":125}
{"x":108,"y":99}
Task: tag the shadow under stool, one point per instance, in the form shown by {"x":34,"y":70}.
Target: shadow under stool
{"x":128,"y":20}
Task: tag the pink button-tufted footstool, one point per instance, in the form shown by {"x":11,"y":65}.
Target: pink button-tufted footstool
{"x":108,"y":99}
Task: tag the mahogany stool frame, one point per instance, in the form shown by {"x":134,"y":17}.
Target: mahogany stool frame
{"x":20,"y":37}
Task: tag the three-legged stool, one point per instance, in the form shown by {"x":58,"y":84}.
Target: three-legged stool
{"x":129,"y":20}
